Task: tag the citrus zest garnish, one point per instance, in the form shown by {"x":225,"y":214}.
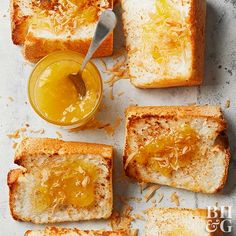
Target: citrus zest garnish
{"x":170,"y":151}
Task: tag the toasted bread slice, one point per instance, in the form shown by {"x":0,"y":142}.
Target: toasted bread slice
{"x":183,"y":147}
{"x":45,"y":26}
{"x":61,"y":181}
{"x":50,"y":231}
{"x":165,"y":40}
{"x":176,"y":221}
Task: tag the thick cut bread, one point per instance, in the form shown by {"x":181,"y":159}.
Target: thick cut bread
{"x":165,"y":40}
{"x":206,"y":156}
{"x":176,"y":222}
{"x":51,"y":231}
{"x":44,"y":26}
{"x":37,"y":157}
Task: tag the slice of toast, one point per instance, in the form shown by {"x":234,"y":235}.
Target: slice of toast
{"x":183,"y":147}
{"x":165,"y":40}
{"x":176,"y":222}
{"x":61,"y":181}
{"x":44,"y":26}
{"x":50,"y":231}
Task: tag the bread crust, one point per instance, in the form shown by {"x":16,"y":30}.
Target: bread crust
{"x":206,"y":111}
{"x":19,"y":23}
{"x":202,"y":213}
{"x":36,"y":48}
{"x":134,"y":114}
{"x":52,"y":148}
{"x":55,"y":231}
{"x":197,"y":17}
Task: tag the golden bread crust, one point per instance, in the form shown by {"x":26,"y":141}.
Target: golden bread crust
{"x":205,"y":111}
{"x":50,"y":147}
{"x":62,"y":231}
{"x":175,"y":113}
{"x":198,"y":21}
{"x":12,"y":178}
{"x":19,"y":23}
{"x":36,"y":48}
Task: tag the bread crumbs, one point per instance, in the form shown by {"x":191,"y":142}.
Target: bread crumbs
{"x":14,"y":135}
{"x":160,"y":197}
{"x":120,"y":94}
{"x":175,"y":198}
{"x":227,"y":104}
{"x":11,"y":99}
{"x":142,"y":186}
{"x":138,"y":217}
{"x":151,"y":191}
{"x":58,"y":134}
{"x":17,"y":133}
{"x":14,"y":145}
{"x":39,"y":131}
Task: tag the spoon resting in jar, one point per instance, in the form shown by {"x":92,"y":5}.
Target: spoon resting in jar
{"x":105,"y":26}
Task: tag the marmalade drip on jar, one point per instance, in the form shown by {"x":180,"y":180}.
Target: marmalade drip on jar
{"x":70,"y":182}
{"x":169,"y":151}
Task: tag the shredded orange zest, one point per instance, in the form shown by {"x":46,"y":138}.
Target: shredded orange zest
{"x":167,"y":32}
{"x":71,"y":182}
{"x":64,"y":16}
{"x":170,"y":150}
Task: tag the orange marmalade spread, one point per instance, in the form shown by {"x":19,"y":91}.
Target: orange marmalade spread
{"x":167,"y":32}
{"x":54,"y":96}
{"x":170,"y":150}
{"x":70,"y":182}
{"x":63,"y":16}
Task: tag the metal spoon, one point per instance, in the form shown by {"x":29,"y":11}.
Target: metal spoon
{"x":105,"y":26}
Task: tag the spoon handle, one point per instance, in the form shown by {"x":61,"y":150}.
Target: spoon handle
{"x":105,"y":26}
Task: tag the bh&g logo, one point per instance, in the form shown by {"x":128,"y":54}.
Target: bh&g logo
{"x":219,"y":219}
